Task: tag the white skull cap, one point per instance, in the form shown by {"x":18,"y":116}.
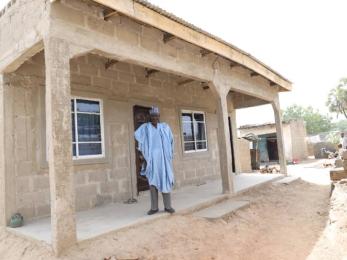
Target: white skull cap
{"x":154,"y":111}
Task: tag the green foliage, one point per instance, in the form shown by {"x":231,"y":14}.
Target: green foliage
{"x":340,"y":126}
{"x":334,"y":137}
{"x":337,"y":98}
{"x":315,"y":121}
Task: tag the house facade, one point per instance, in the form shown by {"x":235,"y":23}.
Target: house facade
{"x":78,"y":77}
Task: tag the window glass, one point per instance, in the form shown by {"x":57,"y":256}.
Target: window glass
{"x":189,"y":146}
{"x":88,"y":106}
{"x":199,"y":117}
{"x":188,"y":131}
{"x":74,"y":150}
{"x":73,"y":128}
{"x":88,"y":128}
{"x":199,"y":130}
{"x":194,"y":131}
{"x":86,"y":116}
{"x":201,"y":145}
{"x":187,"y":117}
{"x":89,"y":149}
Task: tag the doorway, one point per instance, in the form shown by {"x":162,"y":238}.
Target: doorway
{"x":141,"y":116}
{"x":271,"y":144}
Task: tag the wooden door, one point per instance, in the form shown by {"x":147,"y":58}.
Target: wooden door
{"x":141,"y":116}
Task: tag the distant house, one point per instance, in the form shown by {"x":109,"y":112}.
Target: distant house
{"x":295,"y":140}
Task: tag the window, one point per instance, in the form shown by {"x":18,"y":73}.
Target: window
{"x":87,"y":132}
{"x":194,"y":131}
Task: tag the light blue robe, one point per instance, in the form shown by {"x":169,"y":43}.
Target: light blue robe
{"x":156,"y":146}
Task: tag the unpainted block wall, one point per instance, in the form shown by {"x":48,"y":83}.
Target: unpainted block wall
{"x":299,"y":142}
{"x":120,"y":87}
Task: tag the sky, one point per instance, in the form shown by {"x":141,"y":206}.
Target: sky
{"x":304,"y":40}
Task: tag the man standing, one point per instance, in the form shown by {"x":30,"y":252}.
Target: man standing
{"x":155,"y":146}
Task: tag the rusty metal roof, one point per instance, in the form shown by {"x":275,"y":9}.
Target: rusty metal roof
{"x":195,"y":28}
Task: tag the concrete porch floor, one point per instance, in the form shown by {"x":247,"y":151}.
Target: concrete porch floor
{"x":116,"y":216}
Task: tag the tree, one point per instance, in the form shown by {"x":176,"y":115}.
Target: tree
{"x":340,"y":125}
{"x":337,"y":98}
{"x":315,"y":121}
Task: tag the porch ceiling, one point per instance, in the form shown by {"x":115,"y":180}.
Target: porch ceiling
{"x":173,"y":26}
{"x":243,"y":101}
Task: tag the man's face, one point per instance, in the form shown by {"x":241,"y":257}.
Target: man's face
{"x":155,"y":119}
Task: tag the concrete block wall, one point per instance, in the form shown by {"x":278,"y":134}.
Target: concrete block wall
{"x":19,"y":26}
{"x":299,"y":142}
{"x":120,"y":87}
{"x":244,"y":154}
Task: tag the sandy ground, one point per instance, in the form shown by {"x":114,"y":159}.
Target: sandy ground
{"x":296,"y":221}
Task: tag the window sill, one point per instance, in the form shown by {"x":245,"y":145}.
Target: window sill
{"x":81,"y":161}
{"x":192,"y":155}
{"x":76,"y":162}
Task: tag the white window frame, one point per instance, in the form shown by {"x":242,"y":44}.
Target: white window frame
{"x":83,"y":157}
{"x":195,"y":141}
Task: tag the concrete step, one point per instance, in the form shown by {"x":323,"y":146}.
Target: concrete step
{"x":222,"y":209}
{"x":286,"y":180}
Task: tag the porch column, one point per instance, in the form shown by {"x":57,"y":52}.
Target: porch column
{"x":224,"y":143}
{"x":7,"y":165}
{"x":233,"y":123}
{"x":3,"y":218}
{"x":279,"y":133}
{"x":59,"y":141}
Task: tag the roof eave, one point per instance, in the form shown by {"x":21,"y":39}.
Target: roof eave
{"x":147,"y":13}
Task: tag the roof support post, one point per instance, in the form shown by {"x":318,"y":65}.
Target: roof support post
{"x":279,"y":133}
{"x":224,"y":148}
{"x":7,"y":165}
{"x":233,"y":126}
{"x":3,"y":218}
{"x":59,"y":140}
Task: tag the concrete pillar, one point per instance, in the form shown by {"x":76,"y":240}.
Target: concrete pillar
{"x":59,"y":141}
{"x":279,"y":132}
{"x":224,"y":143}
{"x":7,"y":165}
{"x":232,"y":114}
{"x":3,"y":218}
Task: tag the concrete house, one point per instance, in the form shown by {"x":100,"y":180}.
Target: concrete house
{"x":77,"y":78}
{"x":295,"y":143}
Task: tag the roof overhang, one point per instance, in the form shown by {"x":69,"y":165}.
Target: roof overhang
{"x":146,"y":13}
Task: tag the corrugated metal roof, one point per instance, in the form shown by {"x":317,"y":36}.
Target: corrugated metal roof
{"x":195,"y":28}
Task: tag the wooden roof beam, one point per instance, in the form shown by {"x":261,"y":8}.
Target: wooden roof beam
{"x":205,"y":52}
{"x":168,"y":37}
{"x":254,"y":74}
{"x":109,"y":63}
{"x":184,"y":82}
{"x":109,"y":14}
{"x":150,"y":72}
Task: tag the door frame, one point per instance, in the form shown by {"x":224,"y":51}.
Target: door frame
{"x":135,"y":151}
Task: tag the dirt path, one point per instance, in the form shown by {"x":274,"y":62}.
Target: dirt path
{"x":283,"y":222}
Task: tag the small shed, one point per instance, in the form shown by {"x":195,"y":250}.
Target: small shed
{"x":295,"y":142}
